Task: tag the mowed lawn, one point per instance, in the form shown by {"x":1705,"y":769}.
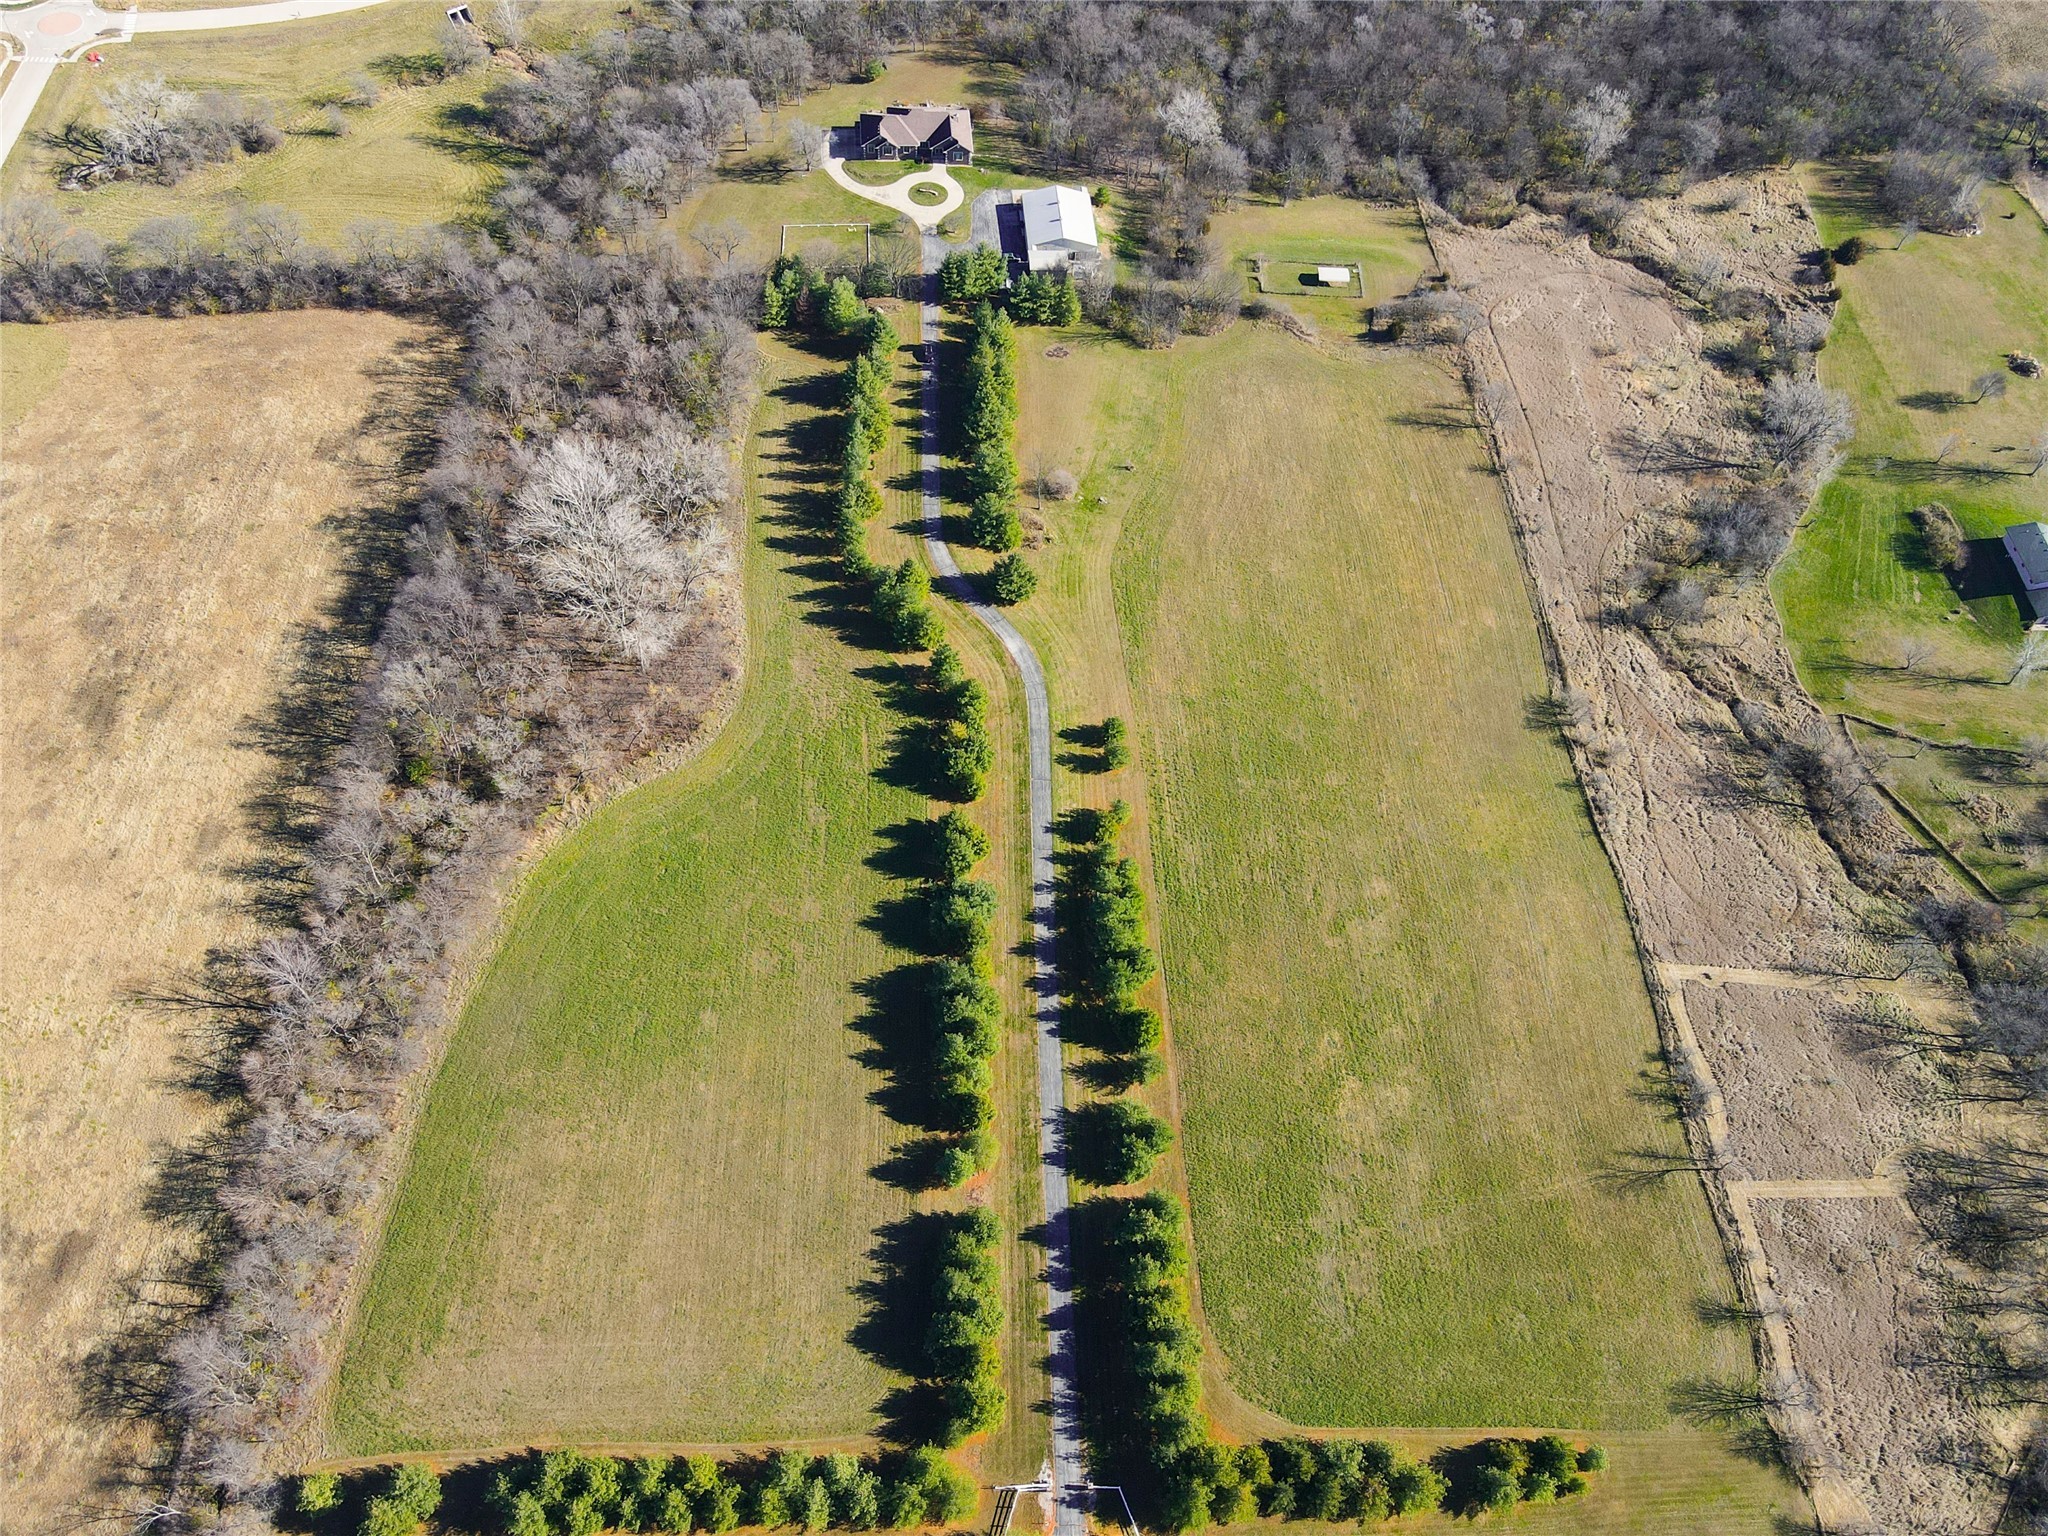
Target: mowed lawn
{"x":1407,"y":1020}
{"x":1408,"y":1011}
{"x":1915,"y":325}
{"x":640,"y":1204}
{"x":414,"y":157}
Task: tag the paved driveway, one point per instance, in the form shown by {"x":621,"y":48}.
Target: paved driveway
{"x":896,"y":195}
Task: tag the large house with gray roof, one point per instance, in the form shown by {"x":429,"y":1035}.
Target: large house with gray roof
{"x":934,"y":134}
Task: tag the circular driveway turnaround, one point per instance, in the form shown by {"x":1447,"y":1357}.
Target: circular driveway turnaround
{"x":896,"y":194}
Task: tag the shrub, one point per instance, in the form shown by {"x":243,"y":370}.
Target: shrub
{"x":1011,"y":580}
{"x":1059,"y":485}
{"x":317,"y":1493}
{"x":1939,"y":535}
{"x":1851,"y":250}
{"x":1116,"y":743}
{"x":1593,"y":1459}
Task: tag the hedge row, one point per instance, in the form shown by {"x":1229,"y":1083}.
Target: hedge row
{"x":573,"y":1493}
{"x":989,"y":426}
{"x":900,"y":595}
{"x":1104,"y":958}
{"x":966,"y":1013}
{"x":965,"y":1322}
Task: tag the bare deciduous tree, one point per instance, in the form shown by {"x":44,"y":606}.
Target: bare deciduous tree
{"x":1189,"y":122}
{"x":1988,"y":385}
{"x":806,"y":144}
{"x":1805,"y":421}
{"x":1601,"y":122}
{"x":721,"y":240}
{"x":1914,"y":653}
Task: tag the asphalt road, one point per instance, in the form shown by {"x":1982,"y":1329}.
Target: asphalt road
{"x":1069,"y":1477}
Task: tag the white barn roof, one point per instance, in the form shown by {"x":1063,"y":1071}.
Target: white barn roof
{"x":1058,"y":223}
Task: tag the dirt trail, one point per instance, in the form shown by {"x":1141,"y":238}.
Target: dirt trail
{"x":1587,"y":362}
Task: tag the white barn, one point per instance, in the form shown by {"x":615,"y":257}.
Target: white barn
{"x":1059,"y":227}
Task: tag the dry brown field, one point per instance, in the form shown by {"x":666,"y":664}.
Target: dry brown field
{"x":181,"y":504}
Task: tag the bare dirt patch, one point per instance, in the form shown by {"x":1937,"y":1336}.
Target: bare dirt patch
{"x":1805,"y":1101}
{"x":1583,"y":356}
{"x":1859,"y":1306}
{"x":177,"y":512}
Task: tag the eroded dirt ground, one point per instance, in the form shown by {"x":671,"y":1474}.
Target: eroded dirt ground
{"x":1585,"y":363}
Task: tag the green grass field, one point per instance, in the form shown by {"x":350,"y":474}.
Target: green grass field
{"x":1916,"y":325}
{"x":1407,"y":1021}
{"x":413,"y":158}
{"x":640,"y":1200}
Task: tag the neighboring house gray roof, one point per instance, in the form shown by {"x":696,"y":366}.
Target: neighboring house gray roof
{"x":927,"y":127}
{"x":2027,"y":543}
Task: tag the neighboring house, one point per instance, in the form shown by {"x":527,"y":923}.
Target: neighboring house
{"x":2027,"y":543}
{"x":939,"y":135}
{"x":1059,"y":228}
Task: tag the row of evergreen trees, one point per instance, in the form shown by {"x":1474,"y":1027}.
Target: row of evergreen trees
{"x":963,"y":1306}
{"x":981,"y":274}
{"x":988,"y":422}
{"x":1104,"y":959}
{"x":962,"y":1335}
{"x":576,"y":1493}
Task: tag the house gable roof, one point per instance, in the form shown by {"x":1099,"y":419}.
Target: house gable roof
{"x":925,"y":127}
{"x":2027,"y":543}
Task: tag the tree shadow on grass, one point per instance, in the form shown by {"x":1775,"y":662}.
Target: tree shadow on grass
{"x":891,"y":1332}
{"x":1738,"y":1409}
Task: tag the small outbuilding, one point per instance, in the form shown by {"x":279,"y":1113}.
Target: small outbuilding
{"x":1333,"y":277}
{"x":1059,"y":228}
{"x":930,"y":133}
{"x":2027,"y":544}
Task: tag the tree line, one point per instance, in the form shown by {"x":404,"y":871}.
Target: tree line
{"x":957,"y":1282}
{"x":988,"y":443}
{"x":580,"y":1493}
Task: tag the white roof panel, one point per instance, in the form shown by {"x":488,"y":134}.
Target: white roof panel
{"x":1058,"y":216}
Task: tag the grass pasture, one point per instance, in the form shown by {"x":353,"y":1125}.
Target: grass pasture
{"x":1407,"y":1024}
{"x":639,"y":1202}
{"x":1913,"y":329}
{"x":415,"y":157}
{"x":185,"y":506}
{"x":650,"y":1177}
